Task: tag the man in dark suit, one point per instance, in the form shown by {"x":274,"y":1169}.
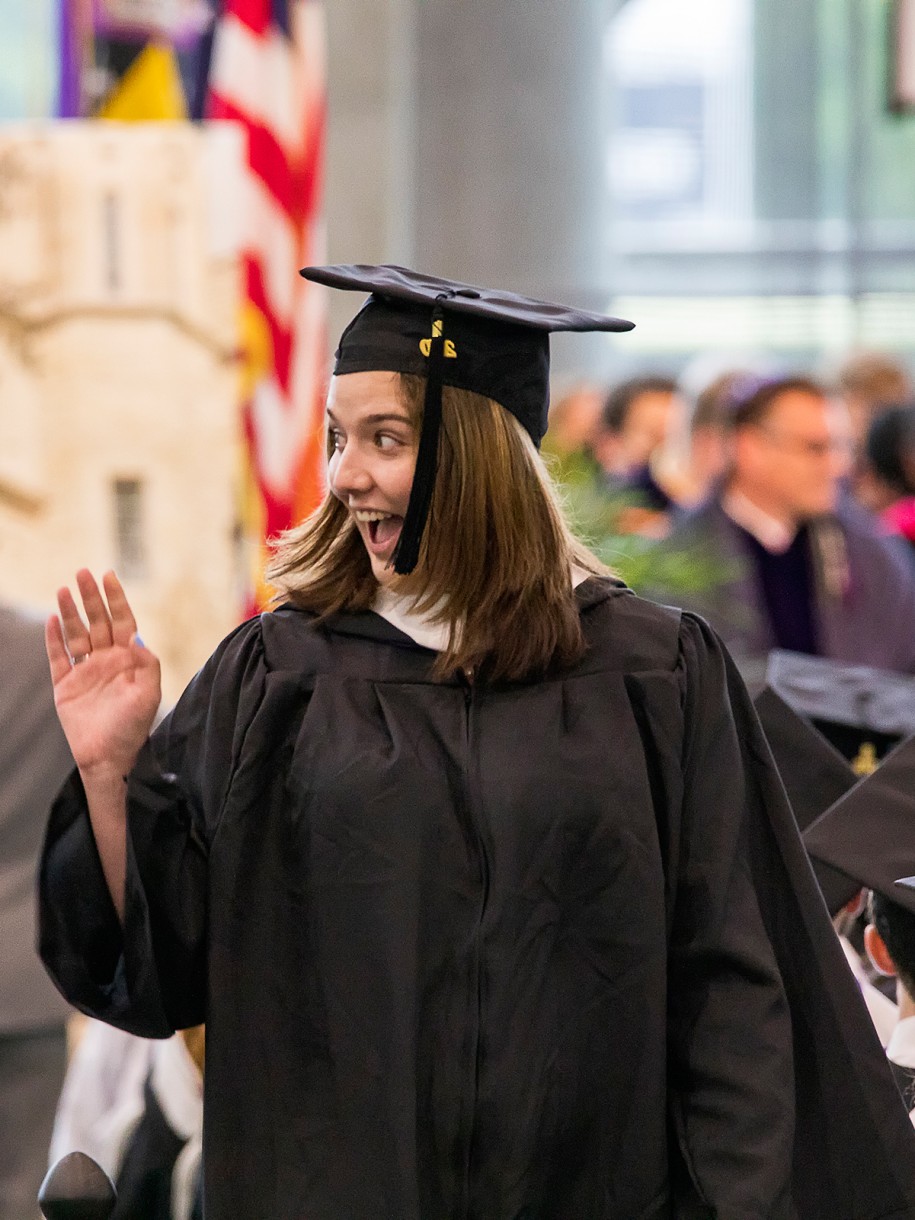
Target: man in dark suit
{"x":794,"y":563}
{"x":34,"y":759}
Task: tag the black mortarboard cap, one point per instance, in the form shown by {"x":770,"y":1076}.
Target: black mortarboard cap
{"x":815,"y":776}
{"x":493,"y":343}
{"x":869,"y":834}
{"x":813,"y":771}
{"x":863,"y":712}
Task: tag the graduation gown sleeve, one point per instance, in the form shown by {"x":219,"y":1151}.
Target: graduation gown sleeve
{"x":149,"y":977}
{"x":729,"y":1027}
{"x":741,"y":872}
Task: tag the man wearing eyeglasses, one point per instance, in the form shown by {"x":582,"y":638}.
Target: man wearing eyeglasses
{"x":793,"y":562}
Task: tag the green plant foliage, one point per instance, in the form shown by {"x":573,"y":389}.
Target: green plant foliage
{"x":645,"y":564}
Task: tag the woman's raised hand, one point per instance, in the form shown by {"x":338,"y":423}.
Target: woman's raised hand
{"x":107,"y":686}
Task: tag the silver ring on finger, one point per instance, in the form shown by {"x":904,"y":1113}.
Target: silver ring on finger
{"x":78,"y":658}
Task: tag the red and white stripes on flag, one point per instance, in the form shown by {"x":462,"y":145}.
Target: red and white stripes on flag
{"x":267,"y":73}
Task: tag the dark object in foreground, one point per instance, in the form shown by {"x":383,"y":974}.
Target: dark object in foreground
{"x":76,"y":1188}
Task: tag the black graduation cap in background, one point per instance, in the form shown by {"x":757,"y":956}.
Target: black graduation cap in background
{"x":813,"y":771}
{"x":493,"y":343}
{"x":815,"y":776}
{"x":811,"y":710}
{"x":863,"y":712}
{"x":869,"y":834}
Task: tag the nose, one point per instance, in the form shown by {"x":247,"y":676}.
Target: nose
{"x":348,"y":474}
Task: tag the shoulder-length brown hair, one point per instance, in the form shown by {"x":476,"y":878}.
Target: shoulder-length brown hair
{"x":495,"y":564}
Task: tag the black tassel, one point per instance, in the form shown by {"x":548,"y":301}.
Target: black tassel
{"x":406,"y":553}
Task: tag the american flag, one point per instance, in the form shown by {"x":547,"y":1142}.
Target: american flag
{"x":267,"y":73}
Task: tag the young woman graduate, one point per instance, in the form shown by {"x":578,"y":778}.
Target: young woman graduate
{"x":475,"y":864}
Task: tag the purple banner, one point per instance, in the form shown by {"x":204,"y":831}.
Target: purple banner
{"x":70,"y":34}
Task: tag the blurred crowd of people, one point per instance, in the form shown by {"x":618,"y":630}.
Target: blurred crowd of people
{"x":793,"y":495}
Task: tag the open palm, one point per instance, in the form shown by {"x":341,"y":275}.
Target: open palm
{"x":107,"y":686}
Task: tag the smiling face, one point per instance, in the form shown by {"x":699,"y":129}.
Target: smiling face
{"x":373,"y":458}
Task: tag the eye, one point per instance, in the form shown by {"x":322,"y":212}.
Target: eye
{"x":337,"y":439}
{"x":385,"y":440}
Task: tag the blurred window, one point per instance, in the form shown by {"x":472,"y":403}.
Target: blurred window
{"x":111,"y":225}
{"x":131,"y":558}
{"x":681,"y":156}
{"x":28,"y":58}
{"x":760,"y":177}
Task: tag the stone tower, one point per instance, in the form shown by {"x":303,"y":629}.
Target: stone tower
{"x":119,"y":411}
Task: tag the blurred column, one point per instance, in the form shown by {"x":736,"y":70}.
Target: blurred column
{"x":511,"y":149}
{"x":468,"y":139}
{"x":786,"y":74}
{"x":371,"y":140}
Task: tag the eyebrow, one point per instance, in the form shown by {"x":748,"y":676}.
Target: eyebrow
{"x":379,"y":418}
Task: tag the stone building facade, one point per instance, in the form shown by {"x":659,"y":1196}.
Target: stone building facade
{"x":119,"y":397}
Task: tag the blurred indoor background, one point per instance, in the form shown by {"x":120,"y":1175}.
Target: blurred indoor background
{"x":737,"y":176}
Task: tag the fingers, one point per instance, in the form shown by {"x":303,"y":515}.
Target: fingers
{"x":58,"y":658}
{"x":75,"y":632}
{"x":110,"y":618}
{"x":100,"y":635}
{"x":123,"y":624}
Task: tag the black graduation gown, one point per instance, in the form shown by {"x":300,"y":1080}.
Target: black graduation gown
{"x":519,"y":952}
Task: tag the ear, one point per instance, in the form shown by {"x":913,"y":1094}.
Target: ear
{"x":878,"y":952}
{"x":742,"y":447}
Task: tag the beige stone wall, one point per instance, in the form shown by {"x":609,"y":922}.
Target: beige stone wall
{"x":119,"y":284}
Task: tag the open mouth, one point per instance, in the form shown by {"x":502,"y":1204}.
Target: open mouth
{"x":383,"y":528}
